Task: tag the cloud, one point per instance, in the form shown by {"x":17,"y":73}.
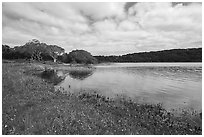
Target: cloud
{"x":127,"y":25}
{"x":101,"y":10}
{"x":180,"y":23}
{"x":105,"y":25}
{"x":179,"y":18}
{"x":104,"y":28}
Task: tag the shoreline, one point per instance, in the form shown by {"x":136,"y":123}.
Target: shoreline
{"x":35,"y":108}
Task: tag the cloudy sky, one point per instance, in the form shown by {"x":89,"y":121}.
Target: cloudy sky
{"x":104,"y":28}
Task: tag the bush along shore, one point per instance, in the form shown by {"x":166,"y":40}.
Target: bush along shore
{"x":31,"y":105}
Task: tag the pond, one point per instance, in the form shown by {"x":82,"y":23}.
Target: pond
{"x":175,"y":85}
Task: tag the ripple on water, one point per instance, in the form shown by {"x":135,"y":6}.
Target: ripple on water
{"x":168,"y":83}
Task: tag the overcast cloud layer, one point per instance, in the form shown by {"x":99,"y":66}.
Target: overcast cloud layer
{"x":104,"y":28}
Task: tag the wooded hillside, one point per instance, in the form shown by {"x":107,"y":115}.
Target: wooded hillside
{"x":174,"y":55}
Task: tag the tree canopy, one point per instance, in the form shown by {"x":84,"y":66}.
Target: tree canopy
{"x":80,"y":56}
{"x":34,"y":50}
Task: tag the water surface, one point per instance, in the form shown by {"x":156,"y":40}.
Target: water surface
{"x":175,"y":85}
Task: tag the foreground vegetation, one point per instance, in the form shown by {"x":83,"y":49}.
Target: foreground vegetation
{"x":31,"y":105}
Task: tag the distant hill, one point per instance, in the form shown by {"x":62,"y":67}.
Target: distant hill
{"x":173,"y":55}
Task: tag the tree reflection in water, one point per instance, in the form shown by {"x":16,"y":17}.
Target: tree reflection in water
{"x":81,"y":73}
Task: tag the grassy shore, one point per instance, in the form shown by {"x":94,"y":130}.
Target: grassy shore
{"x":30,"y":105}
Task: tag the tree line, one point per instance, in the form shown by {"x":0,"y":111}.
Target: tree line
{"x":35,"y":50}
{"x":173,"y":55}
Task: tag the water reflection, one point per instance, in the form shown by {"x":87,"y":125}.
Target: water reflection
{"x":52,"y":76}
{"x":81,"y":73}
{"x":170,"y":84}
